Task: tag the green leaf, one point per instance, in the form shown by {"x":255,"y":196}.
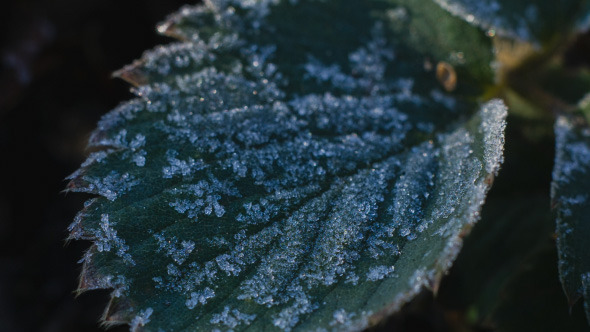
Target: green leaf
{"x":288,"y":165}
{"x":532,"y":21}
{"x":569,"y":191}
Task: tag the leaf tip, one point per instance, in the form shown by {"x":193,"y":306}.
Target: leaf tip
{"x":118,"y":312}
{"x":132,"y":74}
{"x":170,"y":29}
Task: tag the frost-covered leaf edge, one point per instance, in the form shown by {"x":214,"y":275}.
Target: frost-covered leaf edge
{"x":572,"y":135}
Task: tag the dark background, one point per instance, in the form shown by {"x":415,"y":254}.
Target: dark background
{"x":56,"y":58}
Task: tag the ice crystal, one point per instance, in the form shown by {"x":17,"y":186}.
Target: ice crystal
{"x":341,"y":317}
{"x":110,"y":186}
{"x":200,"y":297}
{"x":106,"y":239}
{"x":379,"y":272}
{"x":178,"y":252}
{"x":142,"y":318}
{"x":231,"y":318}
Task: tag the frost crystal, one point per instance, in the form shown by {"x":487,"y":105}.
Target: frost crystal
{"x":379,"y":272}
{"x":231,"y":318}
{"x":493,"y":130}
{"x":182,"y":167}
{"x":342,"y":318}
{"x":208,"y":195}
{"x":106,"y":239}
{"x":178,"y":252}
{"x":200,"y":297}
{"x":142,"y":318}
{"x":111,"y":186}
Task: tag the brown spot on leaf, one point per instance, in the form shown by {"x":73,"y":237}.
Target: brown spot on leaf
{"x":489,"y":180}
{"x":446,"y":75}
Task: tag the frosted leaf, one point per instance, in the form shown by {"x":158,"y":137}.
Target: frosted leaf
{"x":571,"y":201}
{"x":271,"y":177}
{"x":524,"y":20}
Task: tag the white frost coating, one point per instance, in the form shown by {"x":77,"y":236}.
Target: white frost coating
{"x":173,"y":270}
{"x":137,"y":142}
{"x":571,"y":154}
{"x":95,"y":157}
{"x":287,"y":318}
{"x":180,"y":167}
{"x":419,"y":279}
{"x":379,"y":272}
{"x":336,"y":248}
{"x":569,"y":203}
{"x":200,"y":297}
{"x":207,"y":194}
{"x":368,"y":65}
{"x":106,"y":239}
{"x":231,"y":318}
{"x":141,"y":319}
{"x":114,"y":119}
{"x":342,"y":318}
{"x":332,"y":73}
{"x":371,"y":61}
{"x":133,"y":149}
{"x":178,"y":252}
{"x":139,"y":158}
{"x":118,"y":141}
{"x":493,"y":126}
{"x":489,"y":14}
{"x":111,"y":186}
{"x":460,"y":170}
{"x":471,"y":185}
{"x":411,"y":191}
